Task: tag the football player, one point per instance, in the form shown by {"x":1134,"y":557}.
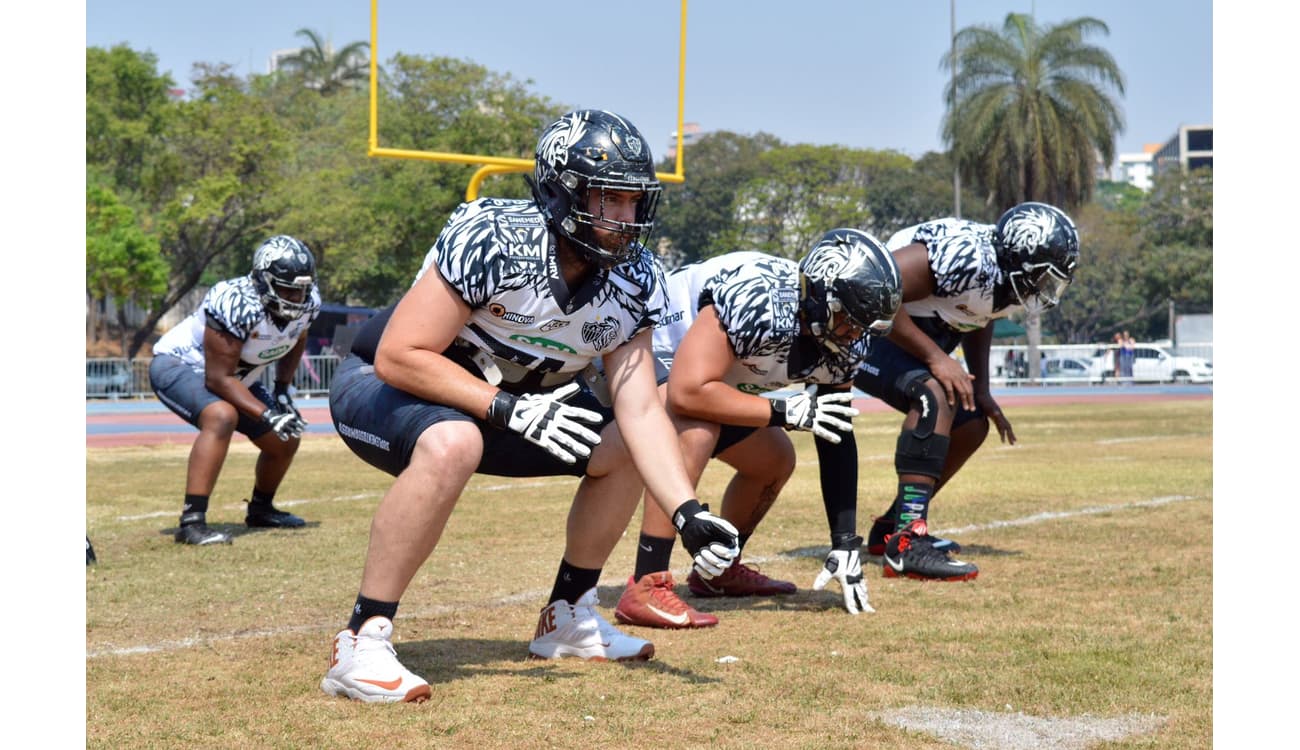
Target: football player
{"x":208,"y":368}
{"x":958,"y":277}
{"x":744,"y":324}
{"x":473,"y":371}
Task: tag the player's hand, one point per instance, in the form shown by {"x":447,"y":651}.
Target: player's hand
{"x":956,"y":382}
{"x":712,"y":541}
{"x":286,"y":425}
{"x":994,"y":412}
{"x":844,"y":564}
{"x":821,"y":415}
{"x":285,"y":402}
{"x":545,"y":420}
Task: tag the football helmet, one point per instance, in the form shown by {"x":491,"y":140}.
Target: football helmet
{"x":1037,"y":248}
{"x":590,"y":150}
{"x":284,"y":264}
{"x":848,"y":271}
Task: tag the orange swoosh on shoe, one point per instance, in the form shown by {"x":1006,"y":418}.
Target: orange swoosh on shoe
{"x":386,"y":685}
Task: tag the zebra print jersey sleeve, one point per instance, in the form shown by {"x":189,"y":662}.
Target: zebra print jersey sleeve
{"x":757,"y":303}
{"x":236,"y":307}
{"x":963,"y":261}
{"x":641,"y":285}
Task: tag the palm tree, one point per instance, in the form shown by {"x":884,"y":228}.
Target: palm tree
{"x":324,"y":69}
{"x":1032,"y":115}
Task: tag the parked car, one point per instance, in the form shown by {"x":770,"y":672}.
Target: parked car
{"x":1153,"y":363}
{"x":1070,"y":369}
{"x":107,"y":378}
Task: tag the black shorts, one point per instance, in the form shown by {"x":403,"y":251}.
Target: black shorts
{"x":182,"y":390}
{"x":381,"y":424}
{"x":879,"y":377}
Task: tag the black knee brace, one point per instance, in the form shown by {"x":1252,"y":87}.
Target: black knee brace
{"x":919,"y":450}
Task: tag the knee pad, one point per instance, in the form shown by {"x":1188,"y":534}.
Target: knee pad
{"x":919,"y":450}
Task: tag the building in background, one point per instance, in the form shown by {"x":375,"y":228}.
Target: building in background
{"x":1190,"y":148}
{"x":1138,"y":169}
{"x":690,"y":133}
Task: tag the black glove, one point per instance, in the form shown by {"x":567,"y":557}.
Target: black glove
{"x":285,"y":424}
{"x":712,"y":541}
{"x":285,"y":402}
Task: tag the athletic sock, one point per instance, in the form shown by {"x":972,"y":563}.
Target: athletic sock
{"x":195,"y":509}
{"x":571,"y":582}
{"x":261,"y":500}
{"x":740,"y":540}
{"x":653,"y":554}
{"x":365,"y":609}
{"x":913,"y":502}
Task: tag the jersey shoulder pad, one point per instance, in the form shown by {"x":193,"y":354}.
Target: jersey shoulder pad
{"x":235,"y":306}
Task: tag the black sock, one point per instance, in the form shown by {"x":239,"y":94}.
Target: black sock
{"x":261,"y":500}
{"x":653,"y":554}
{"x":913,"y":502}
{"x":194,"y":510}
{"x":368,"y":608}
{"x":742,"y":538}
{"x":572,"y":582}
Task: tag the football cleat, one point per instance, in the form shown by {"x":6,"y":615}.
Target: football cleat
{"x":578,"y":630}
{"x":651,"y":603}
{"x":363,"y":666}
{"x":738,"y":580}
{"x":911,"y":553}
{"x":199,"y":533}
{"x":883,"y":526}
{"x":90,"y":552}
{"x":267,"y":517}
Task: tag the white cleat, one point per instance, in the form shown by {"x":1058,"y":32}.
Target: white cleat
{"x":578,"y":630}
{"x":364,"y":667}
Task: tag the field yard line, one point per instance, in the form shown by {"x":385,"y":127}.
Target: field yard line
{"x":526,"y":596}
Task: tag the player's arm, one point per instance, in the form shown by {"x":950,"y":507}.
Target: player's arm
{"x":977,"y":344}
{"x":220,"y":363}
{"x":696,"y":386}
{"x":918,"y":283}
{"x":409,"y":357}
{"x":287,"y":366}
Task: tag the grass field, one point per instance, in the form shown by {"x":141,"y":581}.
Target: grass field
{"x":1054,"y":645}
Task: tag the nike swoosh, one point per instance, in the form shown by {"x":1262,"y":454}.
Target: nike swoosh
{"x":898,"y":566}
{"x":647,"y":549}
{"x":677,"y":619}
{"x":388,"y":685}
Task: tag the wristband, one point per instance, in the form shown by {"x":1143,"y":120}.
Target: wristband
{"x":266,"y":415}
{"x":778,"y":413}
{"x":685,"y":512}
{"x":498,"y":412}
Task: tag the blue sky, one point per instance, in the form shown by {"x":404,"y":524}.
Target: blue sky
{"x":862,"y":73}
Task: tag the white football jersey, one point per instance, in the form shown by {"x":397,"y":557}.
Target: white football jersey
{"x":756,"y":297}
{"x":965,"y":269}
{"x":236,"y":308}
{"x":498,"y":255}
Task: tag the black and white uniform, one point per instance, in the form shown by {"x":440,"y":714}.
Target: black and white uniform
{"x":966,"y":276}
{"x":527,"y":333}
{"x":233,"y":306}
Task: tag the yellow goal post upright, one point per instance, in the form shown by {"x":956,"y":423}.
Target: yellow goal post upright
{"x":492,"y":165}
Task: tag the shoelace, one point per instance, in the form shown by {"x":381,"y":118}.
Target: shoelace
{"x":749,"y":573}
{"x":366,"y":653}
{"x":667,"y":599}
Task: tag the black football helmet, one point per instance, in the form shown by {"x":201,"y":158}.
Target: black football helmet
{"x":849,"y":271}
{"x":590,"y":150}
{"x":283,"y":263}
{"x":1037,"y":248}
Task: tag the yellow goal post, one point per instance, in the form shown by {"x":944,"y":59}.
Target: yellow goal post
{"x":493,"y":165}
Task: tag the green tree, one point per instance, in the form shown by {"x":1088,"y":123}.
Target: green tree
{"x":122,"y":261}
{"x":325,"y":70}
{"x":127,"y":110}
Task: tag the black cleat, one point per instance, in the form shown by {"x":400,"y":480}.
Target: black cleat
{"x":199,"y":533}
{"x":911,"y":553}
{"x":90,"y":552}
{"x":267,"y":517}
{"x":883,"y":526}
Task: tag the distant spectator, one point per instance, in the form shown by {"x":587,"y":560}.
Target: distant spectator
{"x":1127,"y":353}
{"x":1114,"y":354}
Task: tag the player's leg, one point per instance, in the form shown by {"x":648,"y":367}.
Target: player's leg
{"x":272,"y":464}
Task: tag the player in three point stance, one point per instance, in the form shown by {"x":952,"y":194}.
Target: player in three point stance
{"x":474,"y":372}
{"x":207,"y":371}
{"x":739,"y":325}
{"x":958,"y":277}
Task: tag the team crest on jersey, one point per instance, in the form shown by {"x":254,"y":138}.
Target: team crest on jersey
{"x":600,"y":333}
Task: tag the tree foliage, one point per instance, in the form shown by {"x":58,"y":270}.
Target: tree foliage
{"x":326,"y":71}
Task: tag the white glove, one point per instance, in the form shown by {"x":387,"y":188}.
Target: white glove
{"x":712,"y":541}
{"x":802,"y":412}
{"x":845,"y":566}
{"x":543,"y":419}
{"x":285,"y":424}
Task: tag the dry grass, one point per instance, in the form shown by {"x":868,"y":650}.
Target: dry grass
{"x":1104,"y":611}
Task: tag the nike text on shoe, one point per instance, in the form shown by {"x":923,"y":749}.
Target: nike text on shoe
{"x":199,"y":533}
{"x":270,"y":518}
{"x":911,"y":553}
{"x":738,"y":580}
{"x":883,"y":526}
{"x":651,"y":603}
{"x":363,"y":666}
{"x":578,"y":630}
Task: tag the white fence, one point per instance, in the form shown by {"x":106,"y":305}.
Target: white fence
{"x":120,"y":378}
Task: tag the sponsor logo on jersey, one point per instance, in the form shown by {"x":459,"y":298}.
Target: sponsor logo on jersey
{"x":545,"y":343}
{"x":753,"y":388}
{"x":670,"y":318}
{"x":522,"y":221}
{"x":785,"y":307}
{"x":600,"y":333}
{"x":274,"y":352}
{"x":499,"y":310}
{"x":553,"y":325}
